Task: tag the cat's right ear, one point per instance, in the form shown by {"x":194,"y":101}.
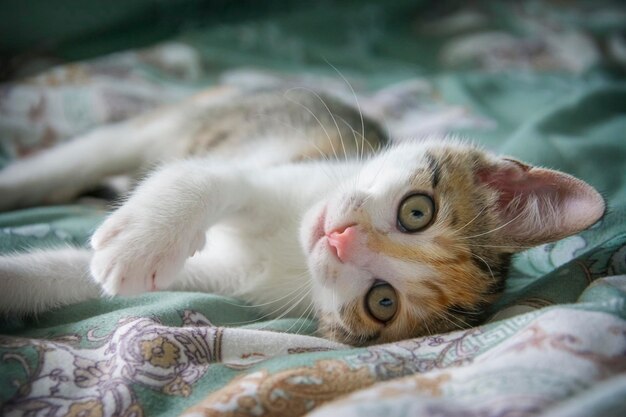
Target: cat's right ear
{"x":538,"y":205}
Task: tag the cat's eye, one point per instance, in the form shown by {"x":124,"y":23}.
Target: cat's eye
{"x":415,"y":213}
{"x":382,"y":302}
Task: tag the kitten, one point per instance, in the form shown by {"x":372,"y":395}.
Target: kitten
{"x":413,"y":240}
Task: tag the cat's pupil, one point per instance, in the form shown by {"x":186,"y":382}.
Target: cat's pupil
{"x":417,"y":214}
{"x":385,"y":302}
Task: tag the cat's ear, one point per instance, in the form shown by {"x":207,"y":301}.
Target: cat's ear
{"x":539,"y":205}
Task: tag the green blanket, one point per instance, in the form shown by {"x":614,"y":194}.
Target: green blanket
{"x":539,"y":81}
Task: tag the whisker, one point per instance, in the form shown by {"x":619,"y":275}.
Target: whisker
{"x":329,"y":173}
{"x":383,"y":162}
{"x":444,"y":317}
{"x":496,"y":229}
{"x":303,"y":318}
{"x":329,"y":112}
{"x":294,"y":305}
{"x":471,"y":221}
{"x":335,"y":175}
{"x":333,"y":326}
{"x":354,"y":133}
{"x":356,"y":99}
{"x":487,"y":265}
{"x":302,"y":293}
{"x":357,"y":178}
{"x":502,"y":246}
{"x":297,"y":289}
{"x":468,"y":312}
{"x":423,"y":321}
{"x":318,"y":121}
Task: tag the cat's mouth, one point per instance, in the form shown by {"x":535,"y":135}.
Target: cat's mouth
{"x":319,"y":230}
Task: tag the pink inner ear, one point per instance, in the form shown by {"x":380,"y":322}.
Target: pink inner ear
{"x":540,"y":205}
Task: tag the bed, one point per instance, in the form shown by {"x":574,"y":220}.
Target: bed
{"x":541,"y":81}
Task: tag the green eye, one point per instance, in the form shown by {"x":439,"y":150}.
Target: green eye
{"x":382,"y":302}
{"x":416,"y":212}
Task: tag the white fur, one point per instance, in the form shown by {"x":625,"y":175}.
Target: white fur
{"x":132,"y":147}
{"x":44,"y":279}
{"x":59,"y":174}
{"x":256,"y":223}
{"x":236,"y":229}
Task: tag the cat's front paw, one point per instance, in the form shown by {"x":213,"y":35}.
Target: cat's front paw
{"x":135,"y":253}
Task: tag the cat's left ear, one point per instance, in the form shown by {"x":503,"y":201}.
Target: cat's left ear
{"x":538,"y":205}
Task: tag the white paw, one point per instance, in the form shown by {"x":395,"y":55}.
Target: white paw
{"x":135,"y":253}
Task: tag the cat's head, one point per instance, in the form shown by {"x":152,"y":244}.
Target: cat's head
{"x":419,"y":241}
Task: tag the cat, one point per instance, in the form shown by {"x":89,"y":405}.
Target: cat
{"x":289,"y":206}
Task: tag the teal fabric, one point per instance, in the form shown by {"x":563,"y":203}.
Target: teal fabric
{"x":556,"y":343}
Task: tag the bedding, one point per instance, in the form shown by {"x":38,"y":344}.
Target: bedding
{"x":540,"y":81}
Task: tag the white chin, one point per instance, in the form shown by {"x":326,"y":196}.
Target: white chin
{"x":344,"y":282}
{"x":326,"y":299}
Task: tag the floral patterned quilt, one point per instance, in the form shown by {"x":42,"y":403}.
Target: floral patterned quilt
{"x":540,"y":81}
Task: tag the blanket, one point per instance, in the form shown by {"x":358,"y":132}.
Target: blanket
{"x":543,"y":82}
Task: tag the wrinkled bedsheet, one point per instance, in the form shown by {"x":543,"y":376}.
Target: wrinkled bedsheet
{"x":542,"y":82}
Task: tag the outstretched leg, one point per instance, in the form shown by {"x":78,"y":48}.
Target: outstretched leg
{"x":38,"y":281}
{"x":59,"y":174}
{"x":41,"y":280}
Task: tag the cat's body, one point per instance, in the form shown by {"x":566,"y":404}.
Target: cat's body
{"x":262,"y":129}
{"x":414,"y":240}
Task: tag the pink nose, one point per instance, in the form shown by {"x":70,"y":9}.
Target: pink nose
{"x":343,"y":242}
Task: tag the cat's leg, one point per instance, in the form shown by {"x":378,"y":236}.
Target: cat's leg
{"x":143,"y":245}
{"x":59,"y":174}
{"x":41,"y":280}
